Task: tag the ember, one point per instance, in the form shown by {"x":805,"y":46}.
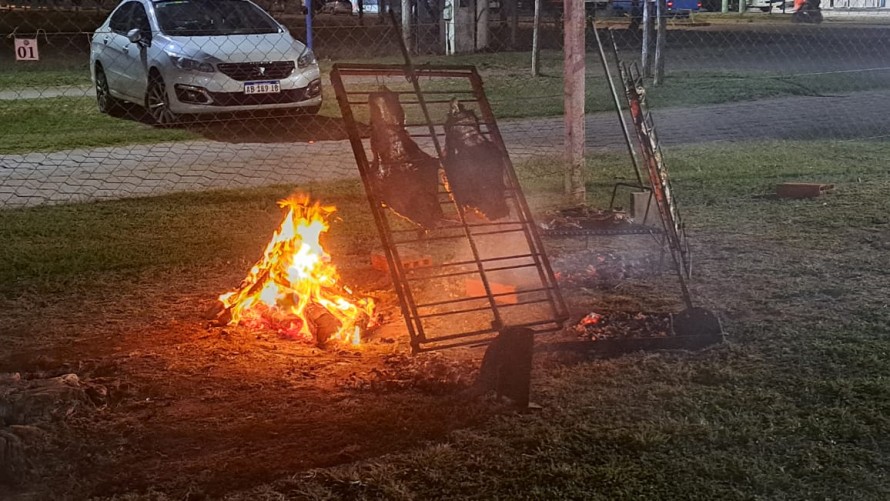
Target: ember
{"x":294,"y":289}
{"x":623,"y":325}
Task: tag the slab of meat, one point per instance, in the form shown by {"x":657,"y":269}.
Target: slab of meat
{"x":405,"y":177}
{"x":474,"y":166}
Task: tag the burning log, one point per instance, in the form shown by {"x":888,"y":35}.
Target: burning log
{"x":322,"y":324}
{"x":294,"y":289}
{"x":406,"y":177}
{"x":473,"y":165}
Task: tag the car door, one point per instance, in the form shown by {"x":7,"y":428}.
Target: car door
{"x":109,"y":43}
{"x":134,"y":75}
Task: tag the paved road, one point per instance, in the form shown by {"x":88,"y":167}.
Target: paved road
{"x":117,"y":172}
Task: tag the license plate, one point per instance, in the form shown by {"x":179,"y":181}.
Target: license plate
{"x":270,"y":87}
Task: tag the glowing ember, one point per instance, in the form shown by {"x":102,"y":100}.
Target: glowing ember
{"x":294,"y":289}
{"x":591,"y":319}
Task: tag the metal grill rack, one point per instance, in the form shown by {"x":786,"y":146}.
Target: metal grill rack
{"x":650,"y":148}
{"x":477,"y":276}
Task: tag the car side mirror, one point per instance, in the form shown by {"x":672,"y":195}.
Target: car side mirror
{"x":143,"y":37}
{"x":134,"y":35}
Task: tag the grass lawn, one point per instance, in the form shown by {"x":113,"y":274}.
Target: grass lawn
{"x":795,"y":405}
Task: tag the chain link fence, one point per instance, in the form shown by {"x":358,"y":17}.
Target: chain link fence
{"x":102,"y":101}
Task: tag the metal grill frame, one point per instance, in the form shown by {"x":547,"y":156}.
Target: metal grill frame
{"x":403,"y":281}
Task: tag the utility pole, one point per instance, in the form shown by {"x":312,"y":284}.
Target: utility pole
{"x":742,"y":5}
{"x":573,"y":82}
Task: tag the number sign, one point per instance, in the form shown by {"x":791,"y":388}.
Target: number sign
{"x":26,"y":49}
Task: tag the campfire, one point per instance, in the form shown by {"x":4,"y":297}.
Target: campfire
{"x":294,"y":289}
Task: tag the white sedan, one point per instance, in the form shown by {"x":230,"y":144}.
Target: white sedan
{"x":200,"y":56}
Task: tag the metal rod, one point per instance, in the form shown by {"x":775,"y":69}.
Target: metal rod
{"x":477,"y":298}
{"x":461,"y":273}
{"x":557,"y":326}
{"x":481,"y":308}
{"x":608,"y":72}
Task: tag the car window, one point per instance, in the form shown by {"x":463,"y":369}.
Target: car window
{"x":120,"y":20}
{"x":213,"y":17}
{"x":139,"y":19}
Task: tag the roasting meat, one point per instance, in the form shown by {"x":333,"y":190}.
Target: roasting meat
{"x":473,"y":165}
{"x":405,"y":177}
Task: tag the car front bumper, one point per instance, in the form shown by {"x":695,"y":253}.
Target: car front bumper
{"x":193,"y":93}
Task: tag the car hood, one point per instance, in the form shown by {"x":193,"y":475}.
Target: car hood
{"x":237,"y":48}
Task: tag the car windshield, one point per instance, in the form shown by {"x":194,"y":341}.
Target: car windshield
{"x":212,"y":17}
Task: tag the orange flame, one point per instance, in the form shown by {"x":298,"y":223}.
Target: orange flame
{"x":295,"y":288}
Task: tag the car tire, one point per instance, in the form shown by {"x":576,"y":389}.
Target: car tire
{"x":157,"y":102}
{"x":765,"y":9}
{"x":106,"y":103}
{"x":310,"y":111}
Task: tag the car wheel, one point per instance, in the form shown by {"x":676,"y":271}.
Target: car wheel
{"x":157,"y":102}
{"x":106,"y":103}
{"x":310,"y":111}
{"x":765,"y":9}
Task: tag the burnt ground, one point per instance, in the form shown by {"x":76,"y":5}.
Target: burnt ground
{"x":184,"y":407}
{"x":126,"y":388}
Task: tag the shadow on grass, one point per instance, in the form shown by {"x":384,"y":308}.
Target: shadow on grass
{"x":287,"y":128}
{"x":257,"y":127}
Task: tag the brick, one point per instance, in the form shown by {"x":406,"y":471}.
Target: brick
{"x":802,"y":190}
{"x":410,"y":260}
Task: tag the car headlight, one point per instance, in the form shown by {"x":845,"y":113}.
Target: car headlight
{"x":307,"y":58}
{"x":185,"y":63}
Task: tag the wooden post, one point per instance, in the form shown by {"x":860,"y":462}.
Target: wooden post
{"x":536,"y":48}
{"x":646,"y":57}
{"x":573,"y":83}
{"x":660,"y":41}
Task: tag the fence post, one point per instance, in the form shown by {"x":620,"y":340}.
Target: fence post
{"x":536,"y":48}
{"x":646,"y":57}
{"x":660,"y":42}
{"x":406,"y":23}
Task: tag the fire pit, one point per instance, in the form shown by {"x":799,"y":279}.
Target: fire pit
{"x":294,"y":289}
